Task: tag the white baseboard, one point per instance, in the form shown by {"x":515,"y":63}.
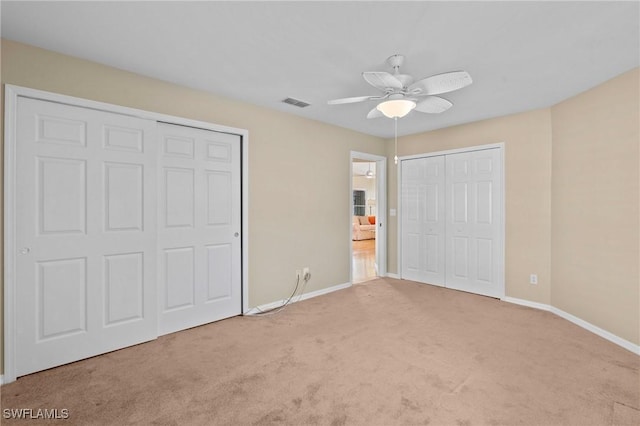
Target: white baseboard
{"x":527,"y":303}
{"x":632,"y":347}
{"x":298,"y":298}
{"x":392,"y":275}
{"x":1,"y":380}
{"x":597,"y":330}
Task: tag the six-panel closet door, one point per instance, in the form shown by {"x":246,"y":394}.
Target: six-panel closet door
{"x":85,"y":233}
{"x":199,"y":244}
{"x":452,"y":221}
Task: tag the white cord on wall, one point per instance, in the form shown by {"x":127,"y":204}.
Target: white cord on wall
{"x":306,"y":278}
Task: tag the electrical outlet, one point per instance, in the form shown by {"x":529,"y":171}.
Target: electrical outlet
{"x":306,"y":274}
{"x":533,"y":279}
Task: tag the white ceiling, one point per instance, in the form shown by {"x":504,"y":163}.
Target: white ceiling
{"x":521,"y":55}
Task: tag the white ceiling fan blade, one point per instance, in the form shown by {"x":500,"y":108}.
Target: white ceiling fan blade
{"x":382,"y":80}
{"x":351,"y":100}
{"x":441,"y":83}
{"x":433,"y":105}
{"x":375,"y":113}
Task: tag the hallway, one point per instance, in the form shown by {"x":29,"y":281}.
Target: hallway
{"x":364,"y":260}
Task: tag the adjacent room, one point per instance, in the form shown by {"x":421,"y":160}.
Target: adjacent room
{"x":320,"y":213}
{"x":363,"y":232}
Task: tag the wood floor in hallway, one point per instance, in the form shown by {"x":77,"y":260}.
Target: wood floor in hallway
{"x":364,"y":260}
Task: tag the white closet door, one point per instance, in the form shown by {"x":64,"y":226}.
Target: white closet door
{"x":199,"y":240}
{"x":423,"y":221}
{"x":85,"y":233}
{"x":474,"y":222}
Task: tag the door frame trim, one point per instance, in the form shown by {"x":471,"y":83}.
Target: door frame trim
{"x":501,"y":147}
{"x":381,"y":209}
{"x":12,"y":93}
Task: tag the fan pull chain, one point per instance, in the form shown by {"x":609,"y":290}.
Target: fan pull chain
{"x":395,"y":122}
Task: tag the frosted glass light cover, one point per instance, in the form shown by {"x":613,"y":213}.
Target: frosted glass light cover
{"x":396,"y":108}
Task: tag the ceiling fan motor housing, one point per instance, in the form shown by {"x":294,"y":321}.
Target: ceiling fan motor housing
{"x":395,"y":61}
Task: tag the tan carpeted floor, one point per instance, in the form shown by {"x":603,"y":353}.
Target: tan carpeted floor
{"x":384,"y":352}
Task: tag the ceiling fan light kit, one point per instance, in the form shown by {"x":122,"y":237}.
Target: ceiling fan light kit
{"x":396,"y":108}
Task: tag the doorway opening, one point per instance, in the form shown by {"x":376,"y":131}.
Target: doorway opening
{"x":367,"y":214}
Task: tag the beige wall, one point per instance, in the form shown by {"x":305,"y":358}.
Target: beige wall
{"x":572,"y":201}
{"x":527,"y":140}
{"x":298,"y":209}
{"x":595,"y":200}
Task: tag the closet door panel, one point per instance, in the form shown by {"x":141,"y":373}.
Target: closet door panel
{"x":423,"y":220}
{"x":474,"y":222}
{"x":86,"y":232}
{"x":199,"y":259}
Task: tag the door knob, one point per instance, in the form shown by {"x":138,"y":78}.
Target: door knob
{"x":25,"y":250}
{"x":236,"y":234}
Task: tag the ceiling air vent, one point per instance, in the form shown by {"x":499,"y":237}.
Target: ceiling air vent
{"x":296,"y":102}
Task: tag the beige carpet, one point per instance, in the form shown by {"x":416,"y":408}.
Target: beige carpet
{"x":384,"y":352}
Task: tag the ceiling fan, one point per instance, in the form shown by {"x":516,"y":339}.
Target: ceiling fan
{"x":361,"y":170}
{"x":401,"y":94}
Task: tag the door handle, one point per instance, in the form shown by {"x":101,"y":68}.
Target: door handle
{"x":25,"y":250}
{"x":236,"y":234}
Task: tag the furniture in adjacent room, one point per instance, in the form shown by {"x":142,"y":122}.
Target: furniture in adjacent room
{"x":363,"y":228}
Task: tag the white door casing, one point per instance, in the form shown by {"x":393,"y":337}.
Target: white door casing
{"x":199,"y":268}
{"x":423,"y":220}
{"x":85,"y":234}
{"x":474,"y":222}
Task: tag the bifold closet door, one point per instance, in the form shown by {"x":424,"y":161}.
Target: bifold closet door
{"x":85,"y":233}
{"x":423,"y":220}
{"x":474,"y":245}
{"x":452,"y":221}
{"x":199,"y":243}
